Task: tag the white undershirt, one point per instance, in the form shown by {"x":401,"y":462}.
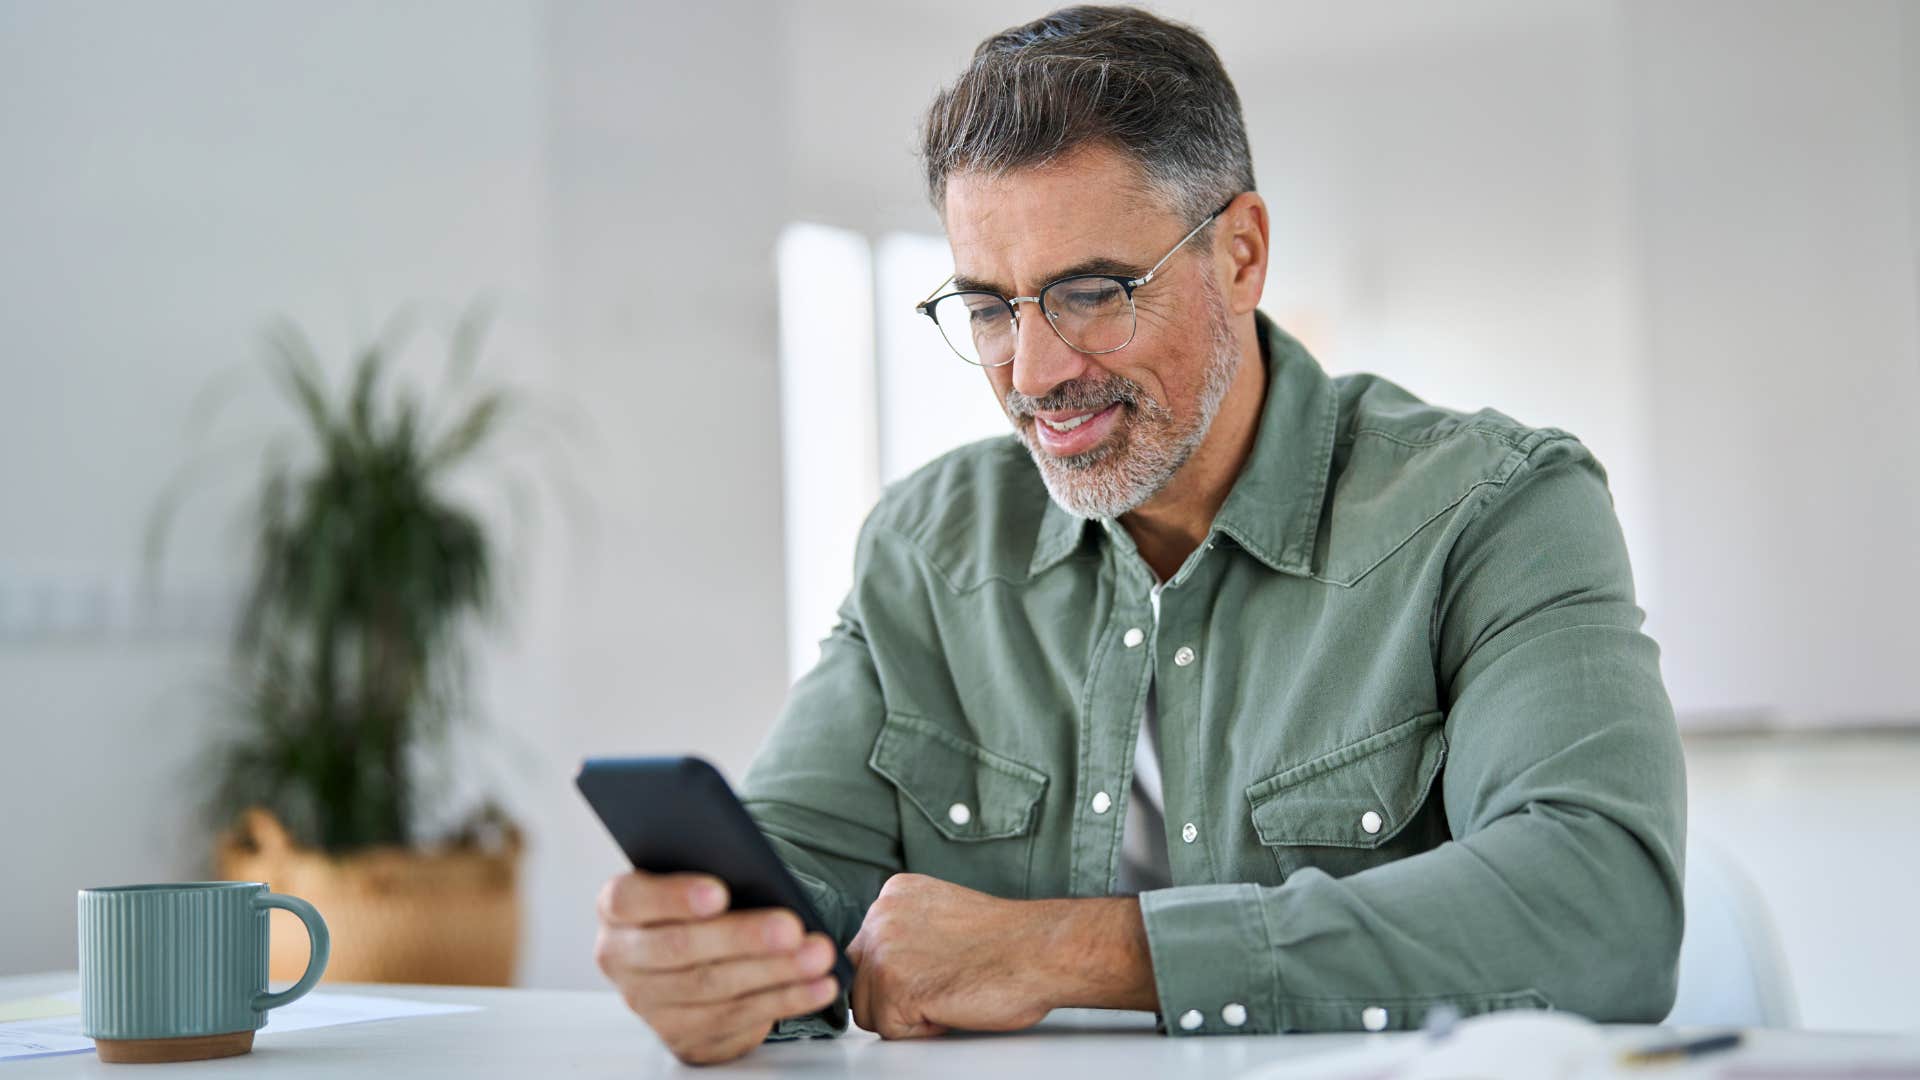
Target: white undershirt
{"x":1143,"y":835}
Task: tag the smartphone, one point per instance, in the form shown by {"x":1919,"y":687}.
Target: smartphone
{"x":673,"y":815}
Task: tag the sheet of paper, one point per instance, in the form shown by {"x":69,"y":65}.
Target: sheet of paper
{"x":26,"y":1040}
{"x":60,"y":1034}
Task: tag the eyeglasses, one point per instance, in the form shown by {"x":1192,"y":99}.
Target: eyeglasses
{"x":1092,"y":313}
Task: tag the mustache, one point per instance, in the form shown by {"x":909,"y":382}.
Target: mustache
{"x":1080,"y":394}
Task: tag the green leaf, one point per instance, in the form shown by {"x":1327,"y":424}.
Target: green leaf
{"x":472,"y":429}
{"x":366,"y":376}
{"x":299,"y":373}
{"x":463,"y":356}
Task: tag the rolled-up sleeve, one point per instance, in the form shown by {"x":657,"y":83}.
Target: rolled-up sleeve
{"x":1564,"y":793}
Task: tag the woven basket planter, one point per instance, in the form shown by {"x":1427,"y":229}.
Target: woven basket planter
{"x":396,"y":915}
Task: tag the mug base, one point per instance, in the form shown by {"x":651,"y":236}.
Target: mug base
{"x":183,"y":1048}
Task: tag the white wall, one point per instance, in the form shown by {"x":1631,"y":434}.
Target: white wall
{"x":1774,"y":173}
{"x":173,"y":177}
{"x":1814,"y":822}
{"x":668,"y":635}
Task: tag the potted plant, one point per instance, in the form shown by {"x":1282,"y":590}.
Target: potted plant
{"x":349,"y":665}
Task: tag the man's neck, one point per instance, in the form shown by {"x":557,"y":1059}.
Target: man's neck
{"x":1169,"y":526}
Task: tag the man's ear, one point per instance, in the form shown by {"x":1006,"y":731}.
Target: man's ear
{"x":1240,"y":244}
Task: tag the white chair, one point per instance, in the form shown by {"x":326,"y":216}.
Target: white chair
{"x":1732,"y":970}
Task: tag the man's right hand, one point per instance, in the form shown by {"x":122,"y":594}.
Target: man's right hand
{"x":708,"y":981}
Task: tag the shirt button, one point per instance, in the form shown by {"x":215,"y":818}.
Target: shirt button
{"x":1189,"y":832}
{"x":1183,"y":656}
{"x":1101,"y":802}
{"x":1373,"y":1018}
{"x":1370,"y":821}
{"x":959,"y":814}
{"x":1191,"y":1019}
{"x":1134,"y":637}
{"x":1234,"y":1014}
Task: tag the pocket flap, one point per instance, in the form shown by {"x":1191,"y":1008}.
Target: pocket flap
{"x":1357,"y":796}
{"x":966,"y":792}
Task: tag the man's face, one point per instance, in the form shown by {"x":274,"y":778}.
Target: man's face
{"x":1108,"y":431}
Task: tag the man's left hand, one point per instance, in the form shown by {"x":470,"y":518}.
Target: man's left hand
{"x":932,"y":955}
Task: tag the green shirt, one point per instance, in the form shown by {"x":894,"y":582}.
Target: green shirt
{"x":1415,"y":748}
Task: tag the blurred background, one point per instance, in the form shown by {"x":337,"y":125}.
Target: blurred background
{"x":1685,"y":231}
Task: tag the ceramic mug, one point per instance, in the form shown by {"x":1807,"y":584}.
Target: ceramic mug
{"x":178,"y":972}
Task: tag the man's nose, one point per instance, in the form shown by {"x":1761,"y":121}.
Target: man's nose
{"x":1041,"y":360}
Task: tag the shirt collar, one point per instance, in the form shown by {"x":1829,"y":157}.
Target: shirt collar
{"x":1273,"y":510}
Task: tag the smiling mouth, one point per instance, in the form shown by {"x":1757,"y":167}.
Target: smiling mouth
{"x":1072,"y":422}
{"x":1077,"y":435}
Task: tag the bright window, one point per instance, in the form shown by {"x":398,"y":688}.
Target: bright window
{"x":869,"y":393}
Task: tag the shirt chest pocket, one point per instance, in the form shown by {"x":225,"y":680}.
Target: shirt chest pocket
{"x":1359,"y":806}
{"x":967,"y":814}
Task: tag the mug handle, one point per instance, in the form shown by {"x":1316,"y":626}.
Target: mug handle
{"x":316,"y":958}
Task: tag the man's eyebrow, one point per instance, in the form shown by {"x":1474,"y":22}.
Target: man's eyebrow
{"x":1097,"y":265}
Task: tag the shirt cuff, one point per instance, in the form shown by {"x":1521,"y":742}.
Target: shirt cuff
{"x":825,"y":1024}
{"x":1212,"y":963}
{"x":1216,"y":967}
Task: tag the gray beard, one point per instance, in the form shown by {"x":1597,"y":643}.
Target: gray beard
{"x":1120,"y":475}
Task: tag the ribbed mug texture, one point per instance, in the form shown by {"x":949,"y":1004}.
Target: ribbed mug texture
{"x":165,"y":961}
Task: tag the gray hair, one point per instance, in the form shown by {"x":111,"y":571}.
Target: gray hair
{"x":1151,"y":88}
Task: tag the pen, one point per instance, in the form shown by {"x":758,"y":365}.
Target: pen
{"x":1686,"y":1048}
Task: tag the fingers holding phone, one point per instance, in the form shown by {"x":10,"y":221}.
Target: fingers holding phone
{"x":710,"y":982}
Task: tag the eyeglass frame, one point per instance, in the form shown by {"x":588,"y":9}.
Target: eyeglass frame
{"x":925,"y":307}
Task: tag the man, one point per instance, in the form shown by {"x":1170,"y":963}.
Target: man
{"x":1260,"y":699}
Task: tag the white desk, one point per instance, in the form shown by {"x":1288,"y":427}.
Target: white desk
{"x":536,"y":1033}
